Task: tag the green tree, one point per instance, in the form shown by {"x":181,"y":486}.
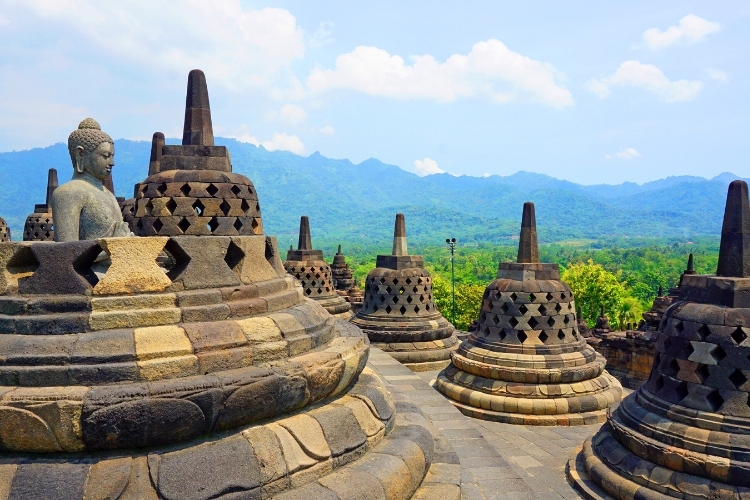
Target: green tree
{"x":468,"y":300}
{"x":594,"y":287}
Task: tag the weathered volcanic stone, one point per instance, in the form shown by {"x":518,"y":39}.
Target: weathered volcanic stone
{"x":527,"y":363}
{"x":685,"y":432}
{"x":313,"y":272}
{"x":399,"y":314}
{"x":64,"y":268}
{"x":4,"y":231}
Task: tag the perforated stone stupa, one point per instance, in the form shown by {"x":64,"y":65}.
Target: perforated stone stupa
{"x":399,"y":313}
{"x":310,"y":268}
{"x":344,"y":282}
{"x":4,"y":230}
{"x":685,"y":433}
{"x":40,"y":225}
{"x":213,"y":379}
{"x":191,"y":189}
{"x":527,"y":363}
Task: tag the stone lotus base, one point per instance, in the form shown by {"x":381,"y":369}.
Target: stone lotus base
{"x":691,"y":454}
{"x":421,"y":344}
{"x":565,"y":389}
{"x":336,"y":446}
{"x":336,"y":306}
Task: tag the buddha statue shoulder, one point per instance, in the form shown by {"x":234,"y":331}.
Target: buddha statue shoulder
{"x":82,"y":208}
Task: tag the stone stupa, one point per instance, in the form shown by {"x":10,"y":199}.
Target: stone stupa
{"x":527,"y":363}
{"x":213,"y":379}
{"x":4,"y":230}
{"x":40,"y":225}
{"x":344,"y":282}
{"x":310,"y":268}
{"x":399,"y":314}
{"x":685,"y":433}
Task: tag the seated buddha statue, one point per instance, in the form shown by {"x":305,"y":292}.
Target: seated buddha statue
{"x":82,"y":208}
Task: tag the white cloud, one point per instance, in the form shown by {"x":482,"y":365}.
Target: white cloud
{"x":279,"y":141}
{"x":427,"y":167}
{"x":647,"y":77}
{"x":490,"y":71}
{"x":327,"y":130}
{"x":624,"y":154}
{"x":292,"y":115}
{"x":284,"y":142}
{"x":322,"y":35}
{"x":691,"y":29}
{"x":717,"y":74}
{"x":236,"y":47}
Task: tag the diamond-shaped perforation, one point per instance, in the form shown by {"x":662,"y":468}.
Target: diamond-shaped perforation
{"x":549,"y":297}
{"x":521,"y":336}
{"x":225,"y":207}
{"x":237,"y":224}
{"x":388,"y":309}
{"x":551,"y":321}
{"x":162,"y":188}
{"x":672,"y":368}
{"x":171,"y":205}
{"x":558,"y":308}
{"x":702,"y":372}
{"x":738,"y":378}
{"x":198,"y":207}
{"x":513,"y":322}
{"x":703,"y":332}
{"x":503,"y":308}
{"x":681,"y":391}
{"x":523,"y":309}
{"x":158,"y":224}
{"x":185,"y":189}
{"x":513,"y":297}
{"x":739,"y":335}
{"x":184,"y":224}
{"x":212,"y":190}
{"x":533,"y":322}
{"x":543,"y":336}
{"x":560,"y":334}
{"x":403,"y":310}
{"x":715,"y":400}
{"x":542,"y":310}
{"x":236,"y":190}
{"x":532,"y":297}
{"x":718,"y":354}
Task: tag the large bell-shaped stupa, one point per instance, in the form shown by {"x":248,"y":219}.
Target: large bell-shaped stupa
{"x":527,"y":363}
{"x":399,"y":314}
{"x":685,"y":433}
{"x":212,"y":377}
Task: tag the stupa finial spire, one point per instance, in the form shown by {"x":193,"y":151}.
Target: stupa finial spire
{"x":528,"y":249}
{"x":399,"y":236}
{"x":734,"y":251}
{"x":51,"y":184}
{"x":198,"y":130}
{"x":690,"y":266}
{"x":339,"y":252}
{"x":305,"y":242}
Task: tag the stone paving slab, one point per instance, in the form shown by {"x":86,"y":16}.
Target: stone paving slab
{"x":498,"y":461}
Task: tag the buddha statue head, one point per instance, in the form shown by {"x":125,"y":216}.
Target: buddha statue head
{"x":91,"y":150}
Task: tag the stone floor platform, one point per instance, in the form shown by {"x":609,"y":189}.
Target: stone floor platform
{"x":496,"y":460}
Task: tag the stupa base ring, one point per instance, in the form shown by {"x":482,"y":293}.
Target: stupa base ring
{"x":626,"y":476}
{"x":545,"y":412}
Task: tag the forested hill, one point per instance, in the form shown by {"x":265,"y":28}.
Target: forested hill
{"x":355,"y":204}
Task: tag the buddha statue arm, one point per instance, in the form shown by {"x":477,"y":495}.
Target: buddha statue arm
{"x":67,"y":215}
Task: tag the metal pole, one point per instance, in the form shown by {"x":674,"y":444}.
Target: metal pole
{"x":452,"y":244}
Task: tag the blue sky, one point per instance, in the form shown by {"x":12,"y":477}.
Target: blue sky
{"x":591,"y":92}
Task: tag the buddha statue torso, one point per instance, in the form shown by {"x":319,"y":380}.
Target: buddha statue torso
{"x":83,"y":209}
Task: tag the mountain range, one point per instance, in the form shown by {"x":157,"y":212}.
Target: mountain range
{"x":355,"y":204}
